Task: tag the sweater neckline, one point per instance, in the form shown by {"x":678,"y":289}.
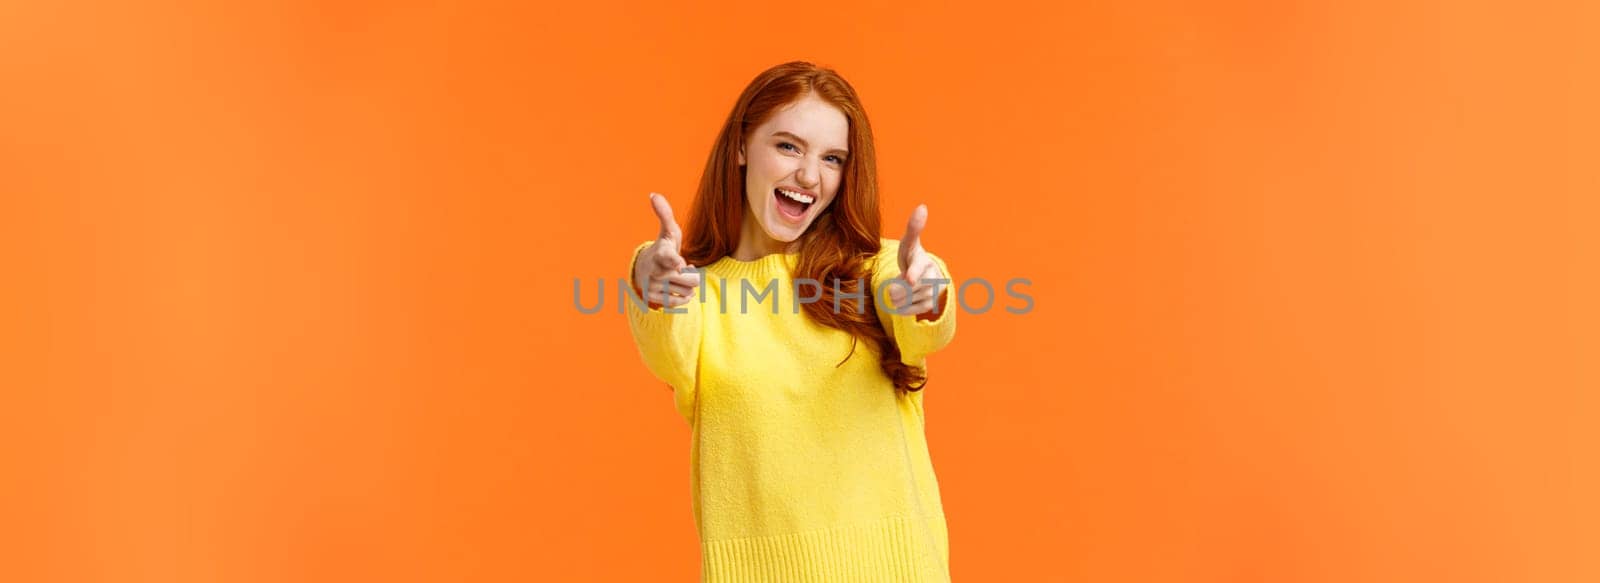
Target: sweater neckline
{"x":767,"y":266}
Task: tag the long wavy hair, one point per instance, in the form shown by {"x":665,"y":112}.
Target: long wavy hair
{"x":841,"y":243}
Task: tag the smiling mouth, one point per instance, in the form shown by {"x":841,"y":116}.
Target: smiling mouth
{"x":791,"y":204}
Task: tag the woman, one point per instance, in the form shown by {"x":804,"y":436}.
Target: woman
{"x":808,"y":460}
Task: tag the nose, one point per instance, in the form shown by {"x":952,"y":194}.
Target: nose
{"x":807,"y":175}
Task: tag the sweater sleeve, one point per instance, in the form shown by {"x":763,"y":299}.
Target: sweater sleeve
{"x":668,"y":340}
{"x":916,"y":338}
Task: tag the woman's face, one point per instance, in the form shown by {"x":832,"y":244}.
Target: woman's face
{"x":793,"y":164}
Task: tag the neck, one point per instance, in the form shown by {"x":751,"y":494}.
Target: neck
{"x":755,"y":243}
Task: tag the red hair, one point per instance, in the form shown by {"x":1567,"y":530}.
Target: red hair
{"x":841,"y":243}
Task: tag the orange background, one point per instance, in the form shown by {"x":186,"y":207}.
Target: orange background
{"x":288,"y":288}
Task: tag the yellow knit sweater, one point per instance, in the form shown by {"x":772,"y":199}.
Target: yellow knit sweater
{"x":800,"y":470}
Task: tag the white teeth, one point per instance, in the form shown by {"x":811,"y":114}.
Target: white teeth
{"x":797,"y":197}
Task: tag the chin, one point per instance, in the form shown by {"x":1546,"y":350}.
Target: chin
{"x":784,"y":233}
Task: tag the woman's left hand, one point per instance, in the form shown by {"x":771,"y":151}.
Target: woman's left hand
{"x":918,"y":269}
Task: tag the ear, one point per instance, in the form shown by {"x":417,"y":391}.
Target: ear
{"x":741,"y":155}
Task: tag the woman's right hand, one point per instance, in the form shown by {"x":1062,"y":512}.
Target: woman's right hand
{"x":671,"y":280}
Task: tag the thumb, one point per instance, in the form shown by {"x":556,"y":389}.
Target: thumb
{"x":919,"y":220}
{"x":669,"y":225}
{"x":913,"y":237}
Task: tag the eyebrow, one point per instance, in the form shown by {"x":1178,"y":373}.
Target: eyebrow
{"x":803,"y":142}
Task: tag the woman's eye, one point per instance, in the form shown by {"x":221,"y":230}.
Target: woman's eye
{"x":787,"y":146}
{"x":835,"y":159}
